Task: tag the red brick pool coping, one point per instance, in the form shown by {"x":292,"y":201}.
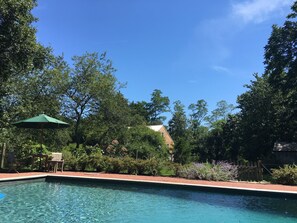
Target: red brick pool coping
{"x":157,"y":179}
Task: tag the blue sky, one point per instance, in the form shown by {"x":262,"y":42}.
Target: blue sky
{"x":190,"y":49}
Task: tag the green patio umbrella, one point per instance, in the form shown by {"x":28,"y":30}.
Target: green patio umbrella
{"x":41,"y":122}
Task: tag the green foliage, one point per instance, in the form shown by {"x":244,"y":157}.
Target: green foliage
{"x":83,"y":162}
{"x":71,"y":161}
{"x":119,"y":165}
{"x":232,"y":136}
{"x":140,"y":113}
{"x":268,"y":108}
{"x":158,"y":105}
{"x":115,"y":149}
{"x":131,"y":165}
{"x":199,"y":112}
{"x":286,"y":175}
{"x":36,"y":93}
{"x":151,"y":166}
{"x":23,"y":152}
{"x":19,"y":50}
{"x":113,"y":165}
{"x":33,"y":81}
{"x":198,"y":138}
{"x":81,"y":158}
{"x":281,"y":74}
{"x":214,"y":142}
{"x":110,"y":122}
{"x":144,"y":143}
{"x":168,"y":168}
{"x":20,"y":56}
{"x":179,"y":123}
{"x":182,"y":151}
{"x":95,"y":159}
{"x":220,"y":113}
{"x":178,"y":129}
{"x":257,"y":119}
{"x":89,"y":83}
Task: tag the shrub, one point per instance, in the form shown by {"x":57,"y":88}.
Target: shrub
{"x":201,"y":171}
{"x":168,"y":168}
{"x":130,"y":166}
{"x":222,"y":171}
{"x":112,"y":165}
{"x":152,"y":167}
{"x":83,"y":162}
{"x":226,"y":171}
{"x":100,"y":163}
{"x":71,"y":162}
{"x":140,"y":165}
{"x":116,"y":165}
{"x":286,"y":175}
{"x":95,"y":161}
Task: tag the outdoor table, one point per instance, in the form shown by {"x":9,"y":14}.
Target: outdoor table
{"x":40,"y":156}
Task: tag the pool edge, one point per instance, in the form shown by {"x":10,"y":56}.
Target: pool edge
{"x":175,"y":185}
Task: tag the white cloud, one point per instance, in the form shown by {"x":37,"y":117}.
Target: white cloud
{"x":192,"y":81}
{"x":221,"y":69}
{"x":258,"y":11}
{"x":214,"y":40}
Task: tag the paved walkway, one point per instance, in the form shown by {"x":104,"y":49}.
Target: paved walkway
{"x":171,"y":180}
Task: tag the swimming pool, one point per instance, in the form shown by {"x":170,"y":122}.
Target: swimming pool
{"x":95,"y":202}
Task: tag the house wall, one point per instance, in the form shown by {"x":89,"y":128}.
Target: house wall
{"x":286,"y":157}
{"x":168,"y":140}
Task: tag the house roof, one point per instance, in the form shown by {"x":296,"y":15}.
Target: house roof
{"x":155,"y":127}
{"x":285,"y":147}
{"x":162,"y":129}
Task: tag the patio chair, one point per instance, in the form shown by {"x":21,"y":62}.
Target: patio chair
{"x":56,"y":160}
{"x":12,"y":162}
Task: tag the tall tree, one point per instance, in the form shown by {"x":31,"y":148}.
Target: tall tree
{"x":268,"y":109}
{"x":232,"y":138}
{"x":35,"y":93}
{"x":90,"y":83}
{"x":258,"y":120}
{"x":199,"y":112}
{"x":140,"y":112}
{"x":198,"y":132}
{"x":110,"y":122}
{"x":281,"y":69}
{"x":214,"y":142}
{"x":178,"y":123}
{"x":19,"y":50}
{"x":179,"y":132}
{"x":20,"y":53}
{"x":220,"y":113}
{"x":158,"y":105}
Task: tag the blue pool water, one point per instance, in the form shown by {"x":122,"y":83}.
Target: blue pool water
{"x":65,"y":202}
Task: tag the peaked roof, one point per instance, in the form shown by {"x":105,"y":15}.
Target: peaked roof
{"x":155,"y":127}
{"x":285,"y":147}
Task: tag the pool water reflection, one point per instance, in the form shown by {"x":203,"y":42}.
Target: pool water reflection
{"x":68,"y":202}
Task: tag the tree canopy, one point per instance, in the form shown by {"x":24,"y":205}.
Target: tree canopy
{"x":88,"y":95}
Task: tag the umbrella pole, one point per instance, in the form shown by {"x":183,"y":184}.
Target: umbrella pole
{"x":40,"y":152}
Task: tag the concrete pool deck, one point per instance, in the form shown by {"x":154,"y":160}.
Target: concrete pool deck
{"x":249,"y":186}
